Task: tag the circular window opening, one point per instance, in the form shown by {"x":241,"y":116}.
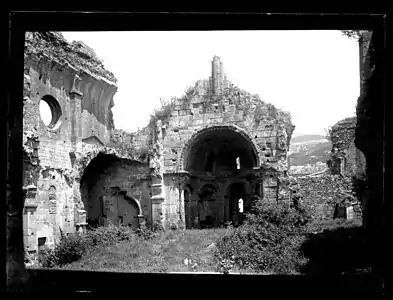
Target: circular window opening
{"x":50,"y":111}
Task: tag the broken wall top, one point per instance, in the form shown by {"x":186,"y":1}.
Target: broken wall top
{"x":76,"y":55}
{"x":231,"y":95}
{"x":343,"y":133}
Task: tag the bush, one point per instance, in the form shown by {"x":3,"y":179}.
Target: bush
{"x":268,"y":241}
{"x":157,"y":227}
{"x":73,"y":246}
{"x":102,"y":236}
{"x":145,"y":233}
{"x":46,"y":257}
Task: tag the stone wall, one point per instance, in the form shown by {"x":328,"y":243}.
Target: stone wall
{"x":257,"y":131}
{"x":79,"y":91}
{"x":137,"y":145}
{"x":266,"y":126}
{"x":345,"y":158}
{"x":327,"y":196}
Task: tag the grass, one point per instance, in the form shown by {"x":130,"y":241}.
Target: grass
{"x":167,"y":252}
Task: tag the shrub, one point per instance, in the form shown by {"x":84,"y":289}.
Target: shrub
{"x":268,"y":241}
{"x":73,"y":246}
{"x":46,"y":257}
{"x":145,"y":233}
{"x":157,"y":227}
{"x":111,"y":234}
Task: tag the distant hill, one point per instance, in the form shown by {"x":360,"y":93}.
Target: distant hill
{"x":307,"y":137}
{"x":309,"y":152}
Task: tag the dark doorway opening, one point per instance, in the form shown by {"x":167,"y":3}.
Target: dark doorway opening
{"x":237,"y":198}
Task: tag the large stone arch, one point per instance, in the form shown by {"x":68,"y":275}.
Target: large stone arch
{"x":99,"y":190}
{"x":200,"y":133}
{"x":88,"y":156}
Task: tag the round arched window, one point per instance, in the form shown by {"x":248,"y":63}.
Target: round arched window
{"x":50,"y":111}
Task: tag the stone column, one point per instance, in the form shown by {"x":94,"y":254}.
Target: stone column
{"x":270,"y":188}
{"x":157,"y":175}
{"x":283,"y":192}
{"x":76,"y":141}
{"x":180,"y":178}
{"x":29,"y":231}
{"x":75,"y":117}
{"x":157,"y":199}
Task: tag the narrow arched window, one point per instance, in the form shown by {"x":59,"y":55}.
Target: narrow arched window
{"x":240,"y":205}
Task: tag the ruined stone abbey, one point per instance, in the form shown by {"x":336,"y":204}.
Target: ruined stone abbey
{"x":201,"y":162}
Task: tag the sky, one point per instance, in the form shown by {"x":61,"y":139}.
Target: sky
{"x":312,"y":74}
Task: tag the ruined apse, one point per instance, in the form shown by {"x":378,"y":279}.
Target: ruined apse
{"x":215,"y":151}
{"x":76,"y":168}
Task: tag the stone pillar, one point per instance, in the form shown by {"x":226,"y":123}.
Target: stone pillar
{"x":157,"y":175}
{"x":75,"y":117}
{"x":180,"y":178}
{"x":141,"y":221}
{"x":29,"y":231}
{"x":157,"y":199}
{"x":270,"y":187}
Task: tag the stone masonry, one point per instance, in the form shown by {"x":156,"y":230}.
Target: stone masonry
{"x":79,"y":92}
{"x":202,"y":160}
{"x":216,"y":145}
{"x":345,"y":158}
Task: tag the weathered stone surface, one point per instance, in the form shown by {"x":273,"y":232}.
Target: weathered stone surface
{"x":215,"y":114}
{"x":108,"y":173}
{"x":74,"y":83}
{"x":345,"y":158}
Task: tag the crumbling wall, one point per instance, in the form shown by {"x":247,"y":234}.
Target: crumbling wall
{"x":79,"y":91}
{"x":137,"y":145}
{"x":345,"y":158}
{"x":55,"y":67}
{"x":327,"y":196}
{"x":269,"y":128}
{"x":259,"y":127}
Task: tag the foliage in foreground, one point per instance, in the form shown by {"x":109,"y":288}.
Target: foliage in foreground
{"x":284,"y":240}
{"x":73,"y":246}
{"x":268,"y":241}
{"x":272,"y":240}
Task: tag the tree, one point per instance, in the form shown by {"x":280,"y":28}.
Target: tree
{"x":354,"y":34}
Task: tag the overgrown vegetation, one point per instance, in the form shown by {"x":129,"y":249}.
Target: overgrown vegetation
{"x":321,"y":194}
{"x":143,"y":250}
{"x":74,"y":246}
{"x":283,"y":240}
{"x":273,"y":240}
{"x":354,"y":34}
{"x":54,"y":46}
{"x":269,"y":241}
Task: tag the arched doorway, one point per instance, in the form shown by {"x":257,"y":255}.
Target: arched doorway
{"x":213,"y":157}
{"x":105,"y":200}
{"x":237,"y":199}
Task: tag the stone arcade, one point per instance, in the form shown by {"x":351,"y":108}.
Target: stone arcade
{"x":199,"y":163}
